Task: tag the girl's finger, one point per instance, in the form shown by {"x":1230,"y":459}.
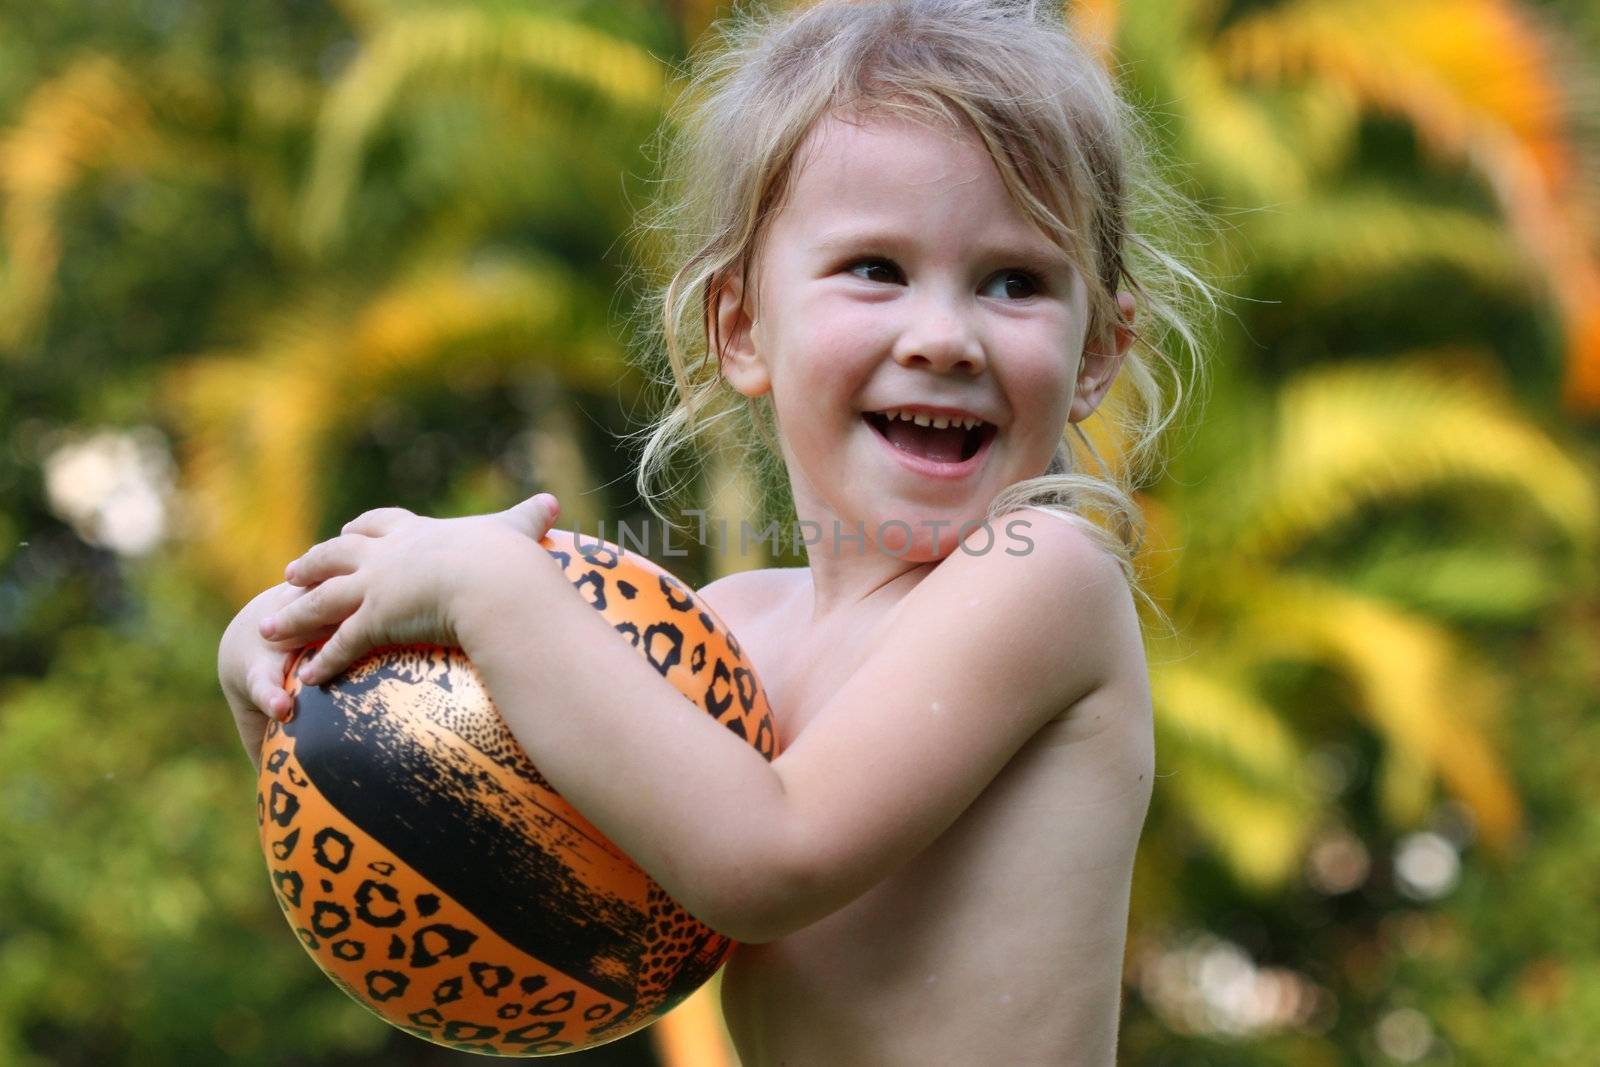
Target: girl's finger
{"x":328,"y":605}
{"x":377,"y":522}
{"x":267,"y":694}
{"x":293,"y":643}
{"x":536,"y":515}
{"x":277,"y":704}
{"x":554,"y":510}
{"x":329,"y":559}
{"x":346,"y":645}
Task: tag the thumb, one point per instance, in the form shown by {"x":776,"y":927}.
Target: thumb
{"x":535,"y":515}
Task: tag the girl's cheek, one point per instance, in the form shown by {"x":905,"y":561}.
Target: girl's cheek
{"x":850,"y":332}
{"x":1042,"y":365}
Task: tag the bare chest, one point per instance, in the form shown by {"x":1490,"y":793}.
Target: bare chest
{"x":800,"y":670}
{"x":1011,"y":923}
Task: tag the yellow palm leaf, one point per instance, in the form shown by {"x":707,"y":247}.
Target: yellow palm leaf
{"x":1474,"y":583}
{"x":1339,"y":242}
{"x":262,"y":423}
{"x":1203,"y":710}
{"x":1227,"y":139}
{"x":1483,"y":82}
{"x":461,"y":43}
{"x":1421,"y":692}
{"x":1347,"y":436}
{"x":1260,"y":834}
{"x":1352,"y":434}
{"x":1451,"y":67}
{"x":1235,"y":765}
{"x":1233,"y":143}
{"x":88,"y":117}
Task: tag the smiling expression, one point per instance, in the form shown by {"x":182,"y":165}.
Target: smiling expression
{"x":900,"y":274}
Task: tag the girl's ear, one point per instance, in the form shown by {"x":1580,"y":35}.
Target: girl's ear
{"x":741,"y":365}
{"x":1100,"y":364}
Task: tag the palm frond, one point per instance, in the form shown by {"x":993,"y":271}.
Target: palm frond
{"x":1232,"y":142}
{"x":276,"y":107}
{"x":263,"y":422}
{"x":1205,"y":711}
{"x":1338,"y":242}
{"x":1421,"y":693}
{"x":462,"y":43}
{"x":1352,"y":434}
{"x":90,"y":116}
{"x":1260,"y":835}
{"x":1452,"y":67}
{"x":1484,"y":83}
{"x":1476,"y":583}
{"x":1236,"y":766}
{"x":484,"y":160}
{"x":1319,"y":121}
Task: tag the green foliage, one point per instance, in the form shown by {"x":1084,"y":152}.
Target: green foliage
{"x":127,"y":819}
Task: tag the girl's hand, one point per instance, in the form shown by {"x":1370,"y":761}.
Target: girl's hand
{"x":252,"y":669}
{"x":395,"y":578}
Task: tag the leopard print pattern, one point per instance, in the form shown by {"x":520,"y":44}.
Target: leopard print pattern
{"x":434,"y":874}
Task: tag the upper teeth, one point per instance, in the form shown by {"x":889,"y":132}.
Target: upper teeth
{"x":938,"y":422}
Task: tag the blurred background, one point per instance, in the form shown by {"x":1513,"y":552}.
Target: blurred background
{"x":266,"y":265}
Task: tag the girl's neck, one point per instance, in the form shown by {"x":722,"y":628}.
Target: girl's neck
{"x":856,"y":577}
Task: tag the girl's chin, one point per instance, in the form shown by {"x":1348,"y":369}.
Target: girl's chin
{"x":912,"y":533}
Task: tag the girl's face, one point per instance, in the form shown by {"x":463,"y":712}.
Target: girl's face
{"x":900,"y":275}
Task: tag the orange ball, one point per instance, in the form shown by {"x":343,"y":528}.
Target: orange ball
{"x":438,"y":879}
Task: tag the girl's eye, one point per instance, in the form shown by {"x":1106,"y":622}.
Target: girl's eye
{"x":875,"y":270}
{"x":1015,"y":285}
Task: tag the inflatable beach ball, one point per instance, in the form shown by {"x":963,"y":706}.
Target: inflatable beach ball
{"x":438,"y":879}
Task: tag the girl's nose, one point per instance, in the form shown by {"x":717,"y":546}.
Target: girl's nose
{"x":941,"y":339}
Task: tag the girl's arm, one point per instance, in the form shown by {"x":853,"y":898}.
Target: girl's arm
{"x":992,"y":648}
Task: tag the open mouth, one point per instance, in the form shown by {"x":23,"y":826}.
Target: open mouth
{"x":951,"y":444}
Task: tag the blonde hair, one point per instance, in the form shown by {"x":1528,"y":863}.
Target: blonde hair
{"x":1067,"y":146}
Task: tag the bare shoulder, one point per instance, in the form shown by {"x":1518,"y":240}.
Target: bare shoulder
{"x":1053,"y":576}
{"x":1062,"y":546}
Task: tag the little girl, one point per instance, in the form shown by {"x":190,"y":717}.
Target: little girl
{"x":905,"y":239}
